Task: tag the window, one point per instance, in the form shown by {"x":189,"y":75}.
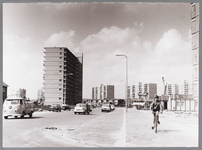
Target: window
{"x":60,"y":89}
{"x":60,"y":70}
{"x":60,"y":57}
{"x":60,"y":66}
{"x":194,"y":57}
{"x":193,"y":26}
{"x":60,"y":79}
{"x":194,"y":41}
{"x":193,"y":10}
{"x":195,"y":73}
{"x":60,"y":53}
{"x":59,"y":98}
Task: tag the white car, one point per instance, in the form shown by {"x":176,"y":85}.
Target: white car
{"x":81,"y":108}
{"x":106,"y":107}
{"x":112,"y":107}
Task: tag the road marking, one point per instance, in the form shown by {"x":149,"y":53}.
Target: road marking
{"x":121,"y":142}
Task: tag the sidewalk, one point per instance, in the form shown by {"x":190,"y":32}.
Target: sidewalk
{"x":177,"y":129}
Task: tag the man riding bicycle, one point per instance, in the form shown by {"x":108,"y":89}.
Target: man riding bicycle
{"x":156,"y":107}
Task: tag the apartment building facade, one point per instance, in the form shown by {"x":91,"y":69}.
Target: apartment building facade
{"x":104,"y":92}
{"x":63,"y":75}
{"x":195,"y":50}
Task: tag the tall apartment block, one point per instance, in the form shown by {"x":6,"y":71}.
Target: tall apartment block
{"x":106,"y":92}
{"x":133,"y":91}
{"x":63,"y":73}
{"x":185,"y":89}
{"x":93,"y":93}
{"x":128,"y":92}
{"x":195,"y":49}
{"x":140,"y":87}
{"x":151,"y":89}
{"x":109,"y":92}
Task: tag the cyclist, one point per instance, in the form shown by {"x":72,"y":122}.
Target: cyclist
{"x":156,"y":107}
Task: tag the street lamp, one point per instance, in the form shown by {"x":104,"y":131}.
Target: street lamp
{"x":126,"y":104}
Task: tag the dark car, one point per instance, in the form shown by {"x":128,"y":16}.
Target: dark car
{"x":55,"y":107}
{"x":65,"y":107}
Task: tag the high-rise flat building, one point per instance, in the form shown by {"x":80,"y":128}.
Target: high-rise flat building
{"x":63,"y":73}
{"x":151,"y":89}
{"x":176,"y":89}
{"x":133,"y":91}
{"x":96,"y":93}
{"x":93,"y":93}
{"x":140,"y":87}
{"x":128,"y":92}
{"x":195,"y":50}
{"x":110,"y":92}
{"x":106,"y":92}
{"x":146,"y":88}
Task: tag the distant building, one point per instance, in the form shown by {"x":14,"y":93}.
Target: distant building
{"x":106,"y":92}
{"x":151,"y":89}
{"x":133,"y":92}
{"x":5,"y":86}
{"x":63,"y":75}
{"x":93,"y":93}
{"x":140,"y":88}
{"x":173,"y":89}
{"x":185,"y":88}
{"x":128,"y":92}
{"x":195,"y":51}
{"x":109,"y":92}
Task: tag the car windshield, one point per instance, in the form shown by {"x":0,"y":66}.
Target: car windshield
{"x":105,"y":105}
{"x":12,"y":101}
{"x":80,"y":105}
{"x":54,"y":105}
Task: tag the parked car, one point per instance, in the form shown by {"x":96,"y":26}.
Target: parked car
{"x":65,"y":107}
{"x":81,"y":108}
{"x":112,"y":107}
{"x":55,"y":107}
{"x":106,"y":107}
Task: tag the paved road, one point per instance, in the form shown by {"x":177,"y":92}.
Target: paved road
{"x":63,"y":129}
{"x":113,"y":129}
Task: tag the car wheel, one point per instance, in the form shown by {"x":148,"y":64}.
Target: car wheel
{"x":75,"y":113}
{"x":5,"y":117}
{"x":30,"y":115}
{"x":16,"y":116}
{"x":23,"y":114}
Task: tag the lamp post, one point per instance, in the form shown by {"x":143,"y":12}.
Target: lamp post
{"x":126,"y":103}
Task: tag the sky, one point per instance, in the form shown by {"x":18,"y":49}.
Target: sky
{"x":155,"y":37}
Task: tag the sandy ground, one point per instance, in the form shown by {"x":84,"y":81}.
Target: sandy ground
{"x":177,"y":129}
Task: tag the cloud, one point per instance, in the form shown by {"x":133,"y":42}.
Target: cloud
{"x":22,"y":68}
{"x":170,"y":58}
{"x":62,"y":39}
